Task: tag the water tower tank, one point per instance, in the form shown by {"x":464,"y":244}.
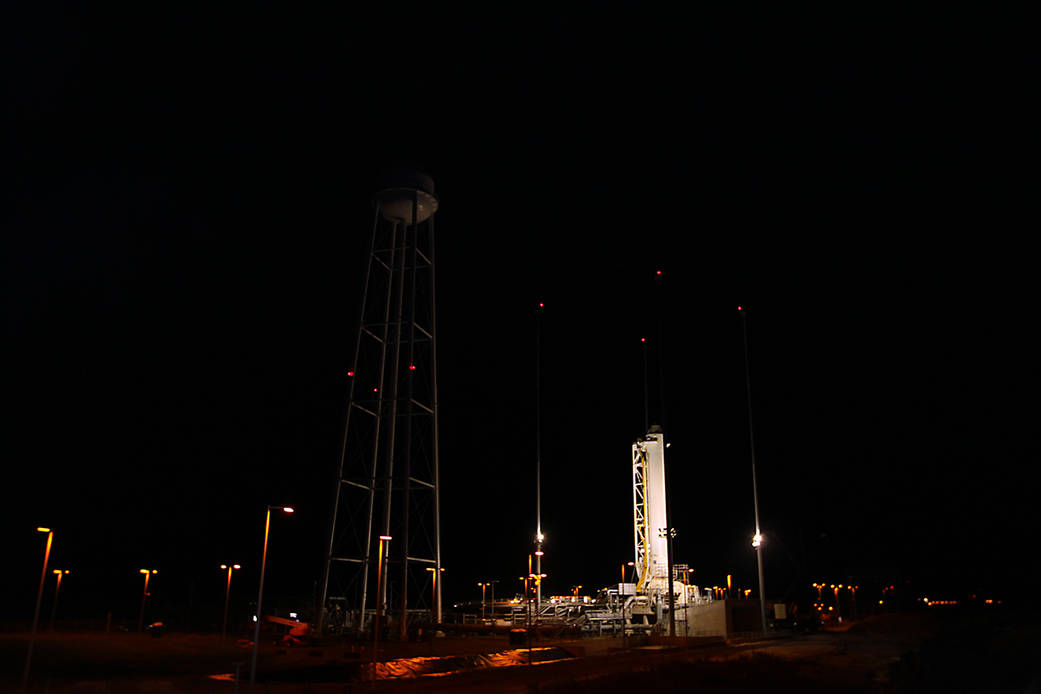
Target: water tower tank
{"x":403,"y":188}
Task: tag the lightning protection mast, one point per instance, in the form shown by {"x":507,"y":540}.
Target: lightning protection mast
{"x":386,"y":491}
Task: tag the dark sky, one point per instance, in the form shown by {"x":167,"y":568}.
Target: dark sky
{"x":185,"y":217}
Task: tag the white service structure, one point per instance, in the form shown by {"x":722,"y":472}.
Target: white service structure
{"x":649,"y":514}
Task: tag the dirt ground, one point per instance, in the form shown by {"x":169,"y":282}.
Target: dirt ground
{"x":876,"y":655}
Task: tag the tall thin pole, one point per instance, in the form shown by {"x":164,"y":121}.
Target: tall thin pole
{"x":659,"y":305}
{"x":436,"y":423}
{"x":36,"y":611}
{"x":379,"y":594}
{"x":57,"y":588}
{"x":672,"y":594}
{"x":260,"y":597}
{"x":493,"y":604}
{"x":646,"y":407}
{"x":144,"y":597}
{"x":538,"y":459}
{"x":527,"y":599}
{"x":227,"y":597}
{"x":758,"y":542}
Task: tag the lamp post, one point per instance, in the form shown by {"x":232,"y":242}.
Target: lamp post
{"x":538,"y":581}
{"x":433,"y":591}
{"x":492,"y":584}
{"x":379,"y":595}
{"x":260,"y":593}
{"x":527,"y":606}
{"x":669,"y":534}
{"x":621,"y":588}
{"x":227,"y":594}
{"x":57,"y":587}
{"x":36,"y":611}
{"x":144,"y":595}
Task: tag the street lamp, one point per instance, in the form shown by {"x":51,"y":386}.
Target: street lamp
{"x":144,"y":594}
{"x":621,"y":588}
{"x":260,"y":593}
{"x":227,"y":594}
{"x":433,"y":589}
{"x":54,"y":608}
{"x":379,"y":596}
{"x":36,"y":611}
{"x":492,"y":584}
{"x":669,"y":534}
{"x":527,"y":605}
{"x":538,"y":571}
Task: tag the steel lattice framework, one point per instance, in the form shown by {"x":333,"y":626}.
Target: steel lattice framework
{"x":387,"y":482}
{"x":640,"y":514}
{"x":649,"y":513}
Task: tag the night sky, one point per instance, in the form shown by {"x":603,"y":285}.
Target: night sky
{"x":185,"y":213}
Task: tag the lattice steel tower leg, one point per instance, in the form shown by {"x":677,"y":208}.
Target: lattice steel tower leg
{"x":387,"y":482}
